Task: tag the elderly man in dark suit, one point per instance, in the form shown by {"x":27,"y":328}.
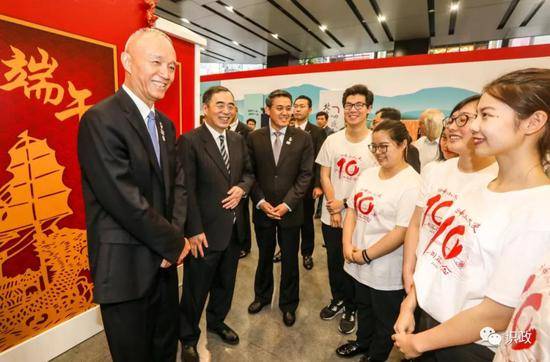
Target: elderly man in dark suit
{"x":302,"y":110}
{"x":135,"y":205}
{"x":282,"y":159}
{"x":218,"y":176}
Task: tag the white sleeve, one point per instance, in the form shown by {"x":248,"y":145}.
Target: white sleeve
{"x":406,"y":206}
{"x":521,"y":254}
{"x":323,"y":158}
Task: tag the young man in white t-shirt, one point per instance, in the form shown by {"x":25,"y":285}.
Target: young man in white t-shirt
{"x":342,"y":157}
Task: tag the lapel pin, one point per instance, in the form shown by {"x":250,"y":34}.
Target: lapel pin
{"x":162,"y":132}
{"x":289,"y":141}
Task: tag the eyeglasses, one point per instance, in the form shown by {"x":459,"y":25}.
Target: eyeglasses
{"x":357,"y":106}
{"x":460,"y":119}
{"x":221,"y":106}
{"x":282,"y":108}
{"x":383,"y":147}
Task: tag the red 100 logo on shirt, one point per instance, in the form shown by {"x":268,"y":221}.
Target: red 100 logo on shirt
{"x":360,"y":203}
{"x":447,"y":250}
{"x":532,"y":303}
{"x":348,"y":166}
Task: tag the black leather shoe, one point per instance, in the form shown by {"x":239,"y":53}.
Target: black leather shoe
{"x":243,"y":254}
{"x":350,"y":349}
{"x":255,"y":307}
{"x":189,"y":354}
{"x":289,"y":318}
{"x":277,"y":257}
{"x":227,"y":335}
{"x":308,"y":262}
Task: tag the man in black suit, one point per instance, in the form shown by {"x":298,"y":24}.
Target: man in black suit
{"x":218,"y":176}
{"x":282,"y":159}
{"x":322,"y":121}
{"x":383,"y":114}
{"x":302,"y":110}
{"x":135,"y":205}
{"x":242,"y":129}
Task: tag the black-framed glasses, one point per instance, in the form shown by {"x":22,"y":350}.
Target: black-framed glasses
{"x":358,"y":106}
{"x":382,"y":147}
{"x":460,"y":119}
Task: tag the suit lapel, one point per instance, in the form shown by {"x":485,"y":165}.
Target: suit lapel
{"x":234,"y":155}
{"x":164,"y":159}
{"x":135,"y":119}
{"x":308,"y":127}
{"x":212,"y":150}
{"x":269,"y":146}
{"x":286,"y":144}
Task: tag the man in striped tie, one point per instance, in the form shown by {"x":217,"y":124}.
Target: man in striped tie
{"x":219,"y":176}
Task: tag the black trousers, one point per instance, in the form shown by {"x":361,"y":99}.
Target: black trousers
{"x":465,"y":353}
{"x":307,"y":229}
{"x":290,"y":277}
{"x":342,"y":285}
{"x":377,"y":311}
{"x":145,"y":329}
{"x":319,"y":208}
{"x":247,"y":242}
{"x":212,"y":274}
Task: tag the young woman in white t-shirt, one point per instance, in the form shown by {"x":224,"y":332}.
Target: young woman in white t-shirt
{"x":443,"y":183}
{"x":469,"y":277}
{"x":380,"y":206}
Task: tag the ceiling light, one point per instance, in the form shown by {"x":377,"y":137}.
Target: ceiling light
{"x":229,"y":8}
{"x":185,"y":20}
{"x":276,"y":36}
{"x":454,"y":6}
{"x":381,"y":18}
{"x":323,"y":27}
{"x":234,"y":42}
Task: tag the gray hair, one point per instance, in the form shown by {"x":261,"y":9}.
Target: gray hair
{"x":143,"y":31}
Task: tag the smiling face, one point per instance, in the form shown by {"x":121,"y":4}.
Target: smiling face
{"x":150,"y":65}
{"x":279,"y":112}
{"x":218,"y":111}
{"x":444,"y":144}
{"x":460,"y":139}
{"x":387,"y":152}
{"x":356,"y":110}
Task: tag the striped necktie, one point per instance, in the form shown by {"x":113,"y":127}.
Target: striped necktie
{"x":224,"y":153}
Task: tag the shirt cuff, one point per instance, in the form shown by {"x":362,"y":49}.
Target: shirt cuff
{"x":288,"y":207}
{"x":259,"y":203}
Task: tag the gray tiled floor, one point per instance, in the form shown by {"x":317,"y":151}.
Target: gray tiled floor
{"x":263,"y":337}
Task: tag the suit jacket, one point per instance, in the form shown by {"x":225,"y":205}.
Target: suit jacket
{"x":413,"y":158}
{"x":242,"y":129}
{"x":132,"y":219}
{"x":285,"y":182}
{"x":318,"y":136}
{"x":328,"y":131}
{"x":208,"y":181}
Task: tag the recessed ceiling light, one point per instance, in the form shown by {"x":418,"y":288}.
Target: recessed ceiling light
{"x":276,"y":36}
{"x":323,"y":27}
{"x":234,"y":42}
{"x":454,"y":6}
{"x":229,"y":8}
{"x":185,"y":20}
{"x":381,"y":18}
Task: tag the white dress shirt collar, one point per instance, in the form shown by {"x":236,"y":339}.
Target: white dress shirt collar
{"x":272,"y":131}
{"x":216,"y":134}
{"x":303,"y":125}
{"x":144,"y":110}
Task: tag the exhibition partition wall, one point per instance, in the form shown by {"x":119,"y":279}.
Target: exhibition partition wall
{"x":410,"y":84}
{"x":57,"y":59}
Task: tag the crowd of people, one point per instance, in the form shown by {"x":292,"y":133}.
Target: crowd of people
{"x":438,"y":247}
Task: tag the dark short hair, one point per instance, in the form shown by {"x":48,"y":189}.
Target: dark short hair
{"x":306,"y":98}
{"x":207,"y":96}
{"x":277,"y":93}
{"x":322,"y":114}
{"x":360,"y":89}
{"x":462,"y":103}
{"x":251,"y":120}
{"x":388,"y":113}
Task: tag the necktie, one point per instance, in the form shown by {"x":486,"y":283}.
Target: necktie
{"x":152,"y":128}
{"x":277,"y":146}
{"x":224,"y":153}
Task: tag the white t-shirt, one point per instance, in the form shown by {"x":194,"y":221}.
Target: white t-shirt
{"x":381,"y":205}
{"x":427,"y":150}
{"x":486,"y":246}
{"x":528,"y":335}
{"x":442,"y":185}
{"x":346,"y":161}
